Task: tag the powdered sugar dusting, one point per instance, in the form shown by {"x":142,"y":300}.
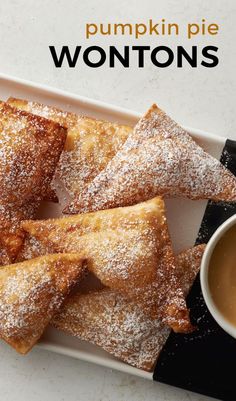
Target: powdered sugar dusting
{"x":15,"y":308}
{"x":118,"y":324}
{"x":158,"y":158}
{"x":31,"y":292}
{"x":128,"y":249}
{"x":106,"y":318}
{"x":134,"y":258}
{"x":30,"y":147}
{"x":90,"y":144}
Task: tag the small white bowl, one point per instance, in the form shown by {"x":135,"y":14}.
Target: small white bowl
{"x":220,"y":319}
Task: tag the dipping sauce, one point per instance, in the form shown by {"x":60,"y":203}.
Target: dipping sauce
{"x":222,"y":275}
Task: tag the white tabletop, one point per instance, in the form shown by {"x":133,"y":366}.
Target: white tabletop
{"x":201,"y":98}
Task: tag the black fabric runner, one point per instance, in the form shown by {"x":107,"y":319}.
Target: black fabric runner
{"x":203,"y":361}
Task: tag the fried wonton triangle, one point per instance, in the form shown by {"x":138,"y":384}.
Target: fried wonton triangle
{"x":128,"y":249}
{"x":158,"y":158}
{"x":30,"y":147}
{"x":90,"y":144}
{"x":30,"y":294}
{"x":118,"y":325}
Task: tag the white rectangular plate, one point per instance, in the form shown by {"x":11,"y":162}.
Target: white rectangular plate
{"x":184,"y":216}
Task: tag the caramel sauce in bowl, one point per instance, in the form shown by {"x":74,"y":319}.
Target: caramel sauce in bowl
{"x":218,"y":276}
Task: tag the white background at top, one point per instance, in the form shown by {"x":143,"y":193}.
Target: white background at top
{"x":202,"y":98}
